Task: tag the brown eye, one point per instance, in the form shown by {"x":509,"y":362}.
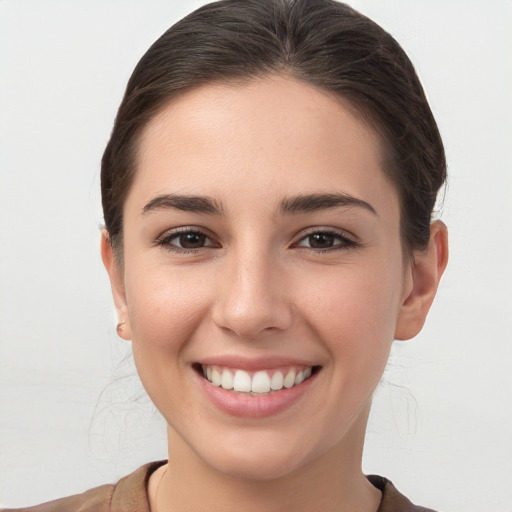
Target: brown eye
{"x":191,"y":240}
{"x":321,"y":240}
{"x":186,"y":240}
{"x":326,"y":241}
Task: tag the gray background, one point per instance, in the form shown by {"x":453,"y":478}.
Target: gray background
{"x":72,"y":413}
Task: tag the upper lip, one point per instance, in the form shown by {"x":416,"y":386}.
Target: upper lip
{"x":254,"y":363}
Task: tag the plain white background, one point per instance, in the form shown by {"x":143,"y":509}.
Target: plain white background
{"x":72,"y":413}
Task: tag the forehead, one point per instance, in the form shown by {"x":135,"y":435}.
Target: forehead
{"x":268,"y":136}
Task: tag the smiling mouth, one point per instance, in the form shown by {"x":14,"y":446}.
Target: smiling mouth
{"x":257,"y":383}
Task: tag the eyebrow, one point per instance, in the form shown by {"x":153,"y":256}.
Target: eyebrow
{"x":196,"y":204}
{"x":290,"y":206}
{"x":314,"y":202}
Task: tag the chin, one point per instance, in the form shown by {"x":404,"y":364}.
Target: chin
{"x":257,"y":462}
{"x":262,"y":471}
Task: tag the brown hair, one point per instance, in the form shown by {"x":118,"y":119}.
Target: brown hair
{"x":321,"y":42}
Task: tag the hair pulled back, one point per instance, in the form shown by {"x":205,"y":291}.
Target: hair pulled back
{"x":321,"y":42}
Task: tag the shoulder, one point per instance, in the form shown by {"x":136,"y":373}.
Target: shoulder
{"x":97,"y":500}
{"x":392,"y":499}
{"x":128,"y":495}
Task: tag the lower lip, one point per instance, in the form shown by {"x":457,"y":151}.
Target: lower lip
{"x":248,"y":406}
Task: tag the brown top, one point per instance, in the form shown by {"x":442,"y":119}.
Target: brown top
{"x":130,"y":495}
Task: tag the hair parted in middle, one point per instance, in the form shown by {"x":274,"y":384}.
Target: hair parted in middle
{"x":323,"y":43}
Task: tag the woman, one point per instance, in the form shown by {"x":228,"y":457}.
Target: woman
{"x":267,"y":191}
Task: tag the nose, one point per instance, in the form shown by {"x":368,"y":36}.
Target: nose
{"x":252,"y":297}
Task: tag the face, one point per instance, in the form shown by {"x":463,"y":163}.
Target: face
{"x":261,"y":251}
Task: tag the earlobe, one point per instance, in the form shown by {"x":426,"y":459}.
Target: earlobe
{"x":426,"y":270}
{"x":115,"y":275}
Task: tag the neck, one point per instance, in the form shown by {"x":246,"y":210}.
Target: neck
{"x":333,"y":481}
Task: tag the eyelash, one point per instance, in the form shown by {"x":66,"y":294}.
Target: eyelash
{"x":345,"y":242}
{"x":166,"y":239}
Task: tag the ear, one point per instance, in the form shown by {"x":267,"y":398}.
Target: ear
{"x":424,"y":274}
{"x":116,"y":277}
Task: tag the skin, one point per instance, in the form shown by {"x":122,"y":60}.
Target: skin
{"x":260,"y":286}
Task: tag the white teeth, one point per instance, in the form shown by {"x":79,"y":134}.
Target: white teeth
{"x":227,"y":379}
{"x":289,"y":380}
{"x":216,"y":377}
{"x":242,"y":381}
{"x":261,"y":382}
{"x":276,"y":382}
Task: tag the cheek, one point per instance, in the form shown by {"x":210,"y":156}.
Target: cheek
{"x":165,"y":310}
{"x":165,"y":307}
{"x":355,"y":309}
